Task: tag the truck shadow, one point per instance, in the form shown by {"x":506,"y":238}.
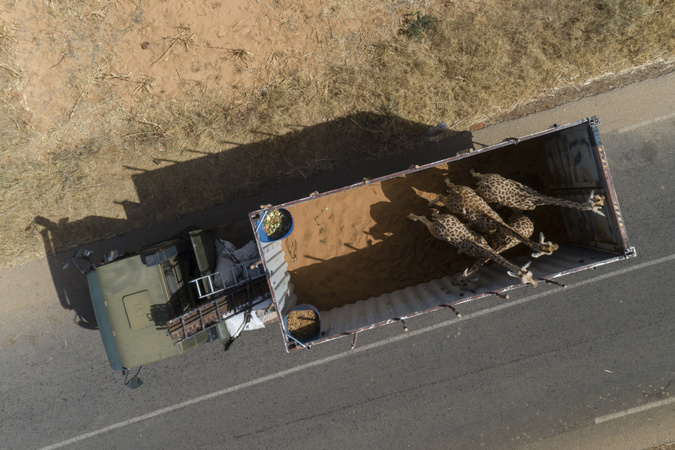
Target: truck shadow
{"x":229,"y":184}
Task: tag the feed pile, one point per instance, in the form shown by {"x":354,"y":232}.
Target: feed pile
{"x":303,"y":324}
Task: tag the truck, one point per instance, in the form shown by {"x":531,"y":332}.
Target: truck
{"x":349,"y":259}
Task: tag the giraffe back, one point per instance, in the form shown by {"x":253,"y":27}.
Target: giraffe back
{"x":496,"y":189}
{"x":467,"y":241}
{"x":465,"y":201}
{"x":502,"y":241}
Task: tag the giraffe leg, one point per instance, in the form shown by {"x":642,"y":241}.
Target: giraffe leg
{"x":541,"y":242}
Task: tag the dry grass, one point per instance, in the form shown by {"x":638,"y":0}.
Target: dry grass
{"x":664,"y":446}
{"x":109,"y":168}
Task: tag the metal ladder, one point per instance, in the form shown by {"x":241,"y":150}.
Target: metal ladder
{"x":241,"y":297}
{"x":207,"y":283}
{"x":241,"y":273}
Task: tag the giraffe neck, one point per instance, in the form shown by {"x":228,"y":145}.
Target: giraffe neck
{"x":472,"y":208}
{"x":531,"y":244}
{"x":500,"y":242}
{"x":458,"y":235}
{"x":481,"y":252}
{"x":432,"y":226}
{"x":486,"y":220}
{"x":546,"y":200}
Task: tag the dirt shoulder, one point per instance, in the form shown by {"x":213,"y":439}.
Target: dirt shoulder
{"x":117,"y":114}
{"x":589,"y":88}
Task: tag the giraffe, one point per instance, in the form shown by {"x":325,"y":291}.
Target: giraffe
{"x":464,"y":201}
{"x":500,"y":241}
{"x":496,"y":189}
{"x":448,"y":228}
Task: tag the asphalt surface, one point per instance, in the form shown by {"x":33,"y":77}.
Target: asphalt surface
{"x":589,"y":366}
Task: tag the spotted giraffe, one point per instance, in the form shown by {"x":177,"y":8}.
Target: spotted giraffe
{"x":500,"y":241}
{"x":494,"y":188}
{"x":464,"y":201}
{"x":448,"y":228}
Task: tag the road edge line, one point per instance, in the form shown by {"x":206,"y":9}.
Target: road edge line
{"x":349,"y":353}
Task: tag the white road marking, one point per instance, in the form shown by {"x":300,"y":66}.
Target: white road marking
{"x":349,"y":353}
{"x":637,"y":409}
{"x":646,"y":122}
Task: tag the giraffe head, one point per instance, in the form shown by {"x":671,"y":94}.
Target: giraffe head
{"x":524,"y":275}
{"x":595,"y":203}
{"x":547,"y":248}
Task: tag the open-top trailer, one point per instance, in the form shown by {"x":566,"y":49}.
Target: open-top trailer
{"x":567,"y":162}
{"x":352,"y":257}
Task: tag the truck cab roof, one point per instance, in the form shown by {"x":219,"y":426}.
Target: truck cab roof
{"x":133,"y":299}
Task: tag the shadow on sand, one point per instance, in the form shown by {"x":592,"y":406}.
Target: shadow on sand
{"x":346,"y":151}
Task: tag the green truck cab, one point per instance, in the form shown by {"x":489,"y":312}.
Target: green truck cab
{"x":134,"y":297}
{"x":161,"y":301}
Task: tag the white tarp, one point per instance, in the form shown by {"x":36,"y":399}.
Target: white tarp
{"x":230,"y":259}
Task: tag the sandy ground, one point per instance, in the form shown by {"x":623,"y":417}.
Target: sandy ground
{"x":73,"y":55}
{"x":76,"y":79}
{"x":94,"y":93}
{"x":359,"y":243}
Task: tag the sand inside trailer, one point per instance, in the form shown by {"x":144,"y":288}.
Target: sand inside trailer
{"x":358,"y":244}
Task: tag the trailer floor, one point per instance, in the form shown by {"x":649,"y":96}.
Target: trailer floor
{"x":360,"y":244}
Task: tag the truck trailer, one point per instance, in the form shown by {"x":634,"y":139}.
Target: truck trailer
{"x":349,"y":259}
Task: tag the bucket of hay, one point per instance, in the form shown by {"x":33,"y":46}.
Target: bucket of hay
{"x":276,"y":224}
{"x":303,"y":323}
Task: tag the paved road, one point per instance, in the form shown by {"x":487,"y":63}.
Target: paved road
{"x":588,"y":367}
